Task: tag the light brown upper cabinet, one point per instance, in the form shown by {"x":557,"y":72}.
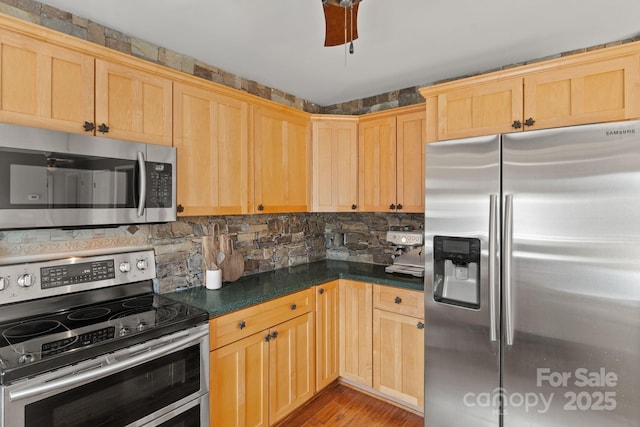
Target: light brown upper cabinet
{"x":211,"y":137}
{"x":49,"y":86}
{"x":391,"y":161}
{"x":601,"y":91}
{"x":282,"y":147}
{"x":410,"y":152}
{"x":133,"y":104}
{"x":481,"y":109}
{"x":597,"y":86}
{"x":44,"y":85}
{"x":335,"y":163}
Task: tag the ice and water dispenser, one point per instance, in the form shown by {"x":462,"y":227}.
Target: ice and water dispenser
{"x":456,"y":271}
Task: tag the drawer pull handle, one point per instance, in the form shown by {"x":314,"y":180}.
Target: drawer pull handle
{"x":398,"y":300}
{"x":242,"y":324}
{"x":420,"y":325}
{"x":293,"y":306}
{"x":321,"y":291}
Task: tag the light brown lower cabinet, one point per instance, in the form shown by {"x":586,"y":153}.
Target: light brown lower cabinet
{"x":259,"y":379}
{"x":327,"y":342}
{"x":355,"y":332}
{"x":398,"y":344}
{"x":269,"y":359}
{"x":398,"y":356}
{"x":238,"y":387}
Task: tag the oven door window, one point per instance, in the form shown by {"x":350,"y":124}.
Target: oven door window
{"x":124,"y":397}
{"x":46,"y":180}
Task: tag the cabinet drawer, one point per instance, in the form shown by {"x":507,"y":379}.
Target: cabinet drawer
{"x":242,"y":323}
{"x":398,"y":300}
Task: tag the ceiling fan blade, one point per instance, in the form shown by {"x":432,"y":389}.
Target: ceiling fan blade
{"x":334,"y":24}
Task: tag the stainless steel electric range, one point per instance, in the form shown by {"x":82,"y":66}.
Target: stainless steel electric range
{"x":86,"y":341}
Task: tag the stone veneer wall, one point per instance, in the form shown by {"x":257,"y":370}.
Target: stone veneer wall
{"x":267,"y":242}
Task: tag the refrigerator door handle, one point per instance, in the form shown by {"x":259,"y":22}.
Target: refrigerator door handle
{"x":493,"y":263}
{"x":506,"y":273}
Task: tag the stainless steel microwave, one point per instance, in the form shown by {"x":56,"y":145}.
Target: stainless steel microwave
{"x":57,"y":179}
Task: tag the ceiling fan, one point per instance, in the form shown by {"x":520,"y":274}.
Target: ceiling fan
{"x":341,"y":22}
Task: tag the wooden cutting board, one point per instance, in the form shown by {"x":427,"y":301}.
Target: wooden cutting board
{"x":233,"y":264}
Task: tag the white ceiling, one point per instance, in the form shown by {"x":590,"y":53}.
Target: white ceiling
{"x":402,"y":43}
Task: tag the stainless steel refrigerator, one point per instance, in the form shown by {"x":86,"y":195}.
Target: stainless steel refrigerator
{"x":532,"y":279}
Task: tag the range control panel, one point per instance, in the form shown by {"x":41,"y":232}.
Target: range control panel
{"x":31,"y":280}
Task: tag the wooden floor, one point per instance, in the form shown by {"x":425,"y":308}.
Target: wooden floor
{"x":339,"y":405}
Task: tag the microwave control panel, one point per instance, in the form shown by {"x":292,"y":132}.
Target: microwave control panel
{"x":159,"y":185}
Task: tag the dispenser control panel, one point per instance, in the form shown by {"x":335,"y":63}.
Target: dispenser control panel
{"x":456,"y":271}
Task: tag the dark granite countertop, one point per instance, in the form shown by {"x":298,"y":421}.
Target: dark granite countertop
{"x":257,"y":288}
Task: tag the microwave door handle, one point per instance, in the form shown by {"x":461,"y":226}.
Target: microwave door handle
{"x":108,"y":369}
{"x":142,"y":199}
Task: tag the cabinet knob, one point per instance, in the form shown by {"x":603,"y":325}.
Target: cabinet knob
{"x":517,"y":124}
{"x":260,"y":207}
{"x":267,"y":337}
{"x":293,"y":306}
{"x":398,"y":300}
{"x":392,"y":206}
{"x":103,"y":128}
{"x":420,"y":325}
{"x":88,"y":126}
{"x":242,"y":324}
{"x":180,"y":208}
{"x":529,"y":121}
{"x":399,"y":207}
{"x":321,"y":291}
{"x":354,"y":207}
{"x":274,"y":335}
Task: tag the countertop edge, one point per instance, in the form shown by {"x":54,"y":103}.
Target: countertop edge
{"x":263,"y":287}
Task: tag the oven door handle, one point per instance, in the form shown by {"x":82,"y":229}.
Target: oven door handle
{"x":106,"y":370}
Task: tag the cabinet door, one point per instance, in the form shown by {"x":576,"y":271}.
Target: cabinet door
{"x":291,"y":366}
{"x":281,"y":150}
{"x":411,"y":137}
{"x":135,"y":105}
{"x":587,"y":93}
{"x":377,"y":165}
{"x":335,"y":165}
{"x":355,"y":302}
{"x":398,"y":356}
{"x":239,"y":383}
{"x":44,"y":85}
{"x":327,"y":343}
{"x":481,"y":109}
{"x":211,"y":137}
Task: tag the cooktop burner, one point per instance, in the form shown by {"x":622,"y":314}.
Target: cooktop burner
{"x":40,"y":334}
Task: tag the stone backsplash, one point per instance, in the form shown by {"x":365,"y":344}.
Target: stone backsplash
{"x":267,"y":242}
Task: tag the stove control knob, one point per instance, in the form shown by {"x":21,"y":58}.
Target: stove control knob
{"x":4,"y":282}
{"x":26,"y":358}
{"x":26,"y":280}
{"x":124,"y":331}
{"x":125,"y":267}
{"x":141,"y":264}
{"x":141,"y":326}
